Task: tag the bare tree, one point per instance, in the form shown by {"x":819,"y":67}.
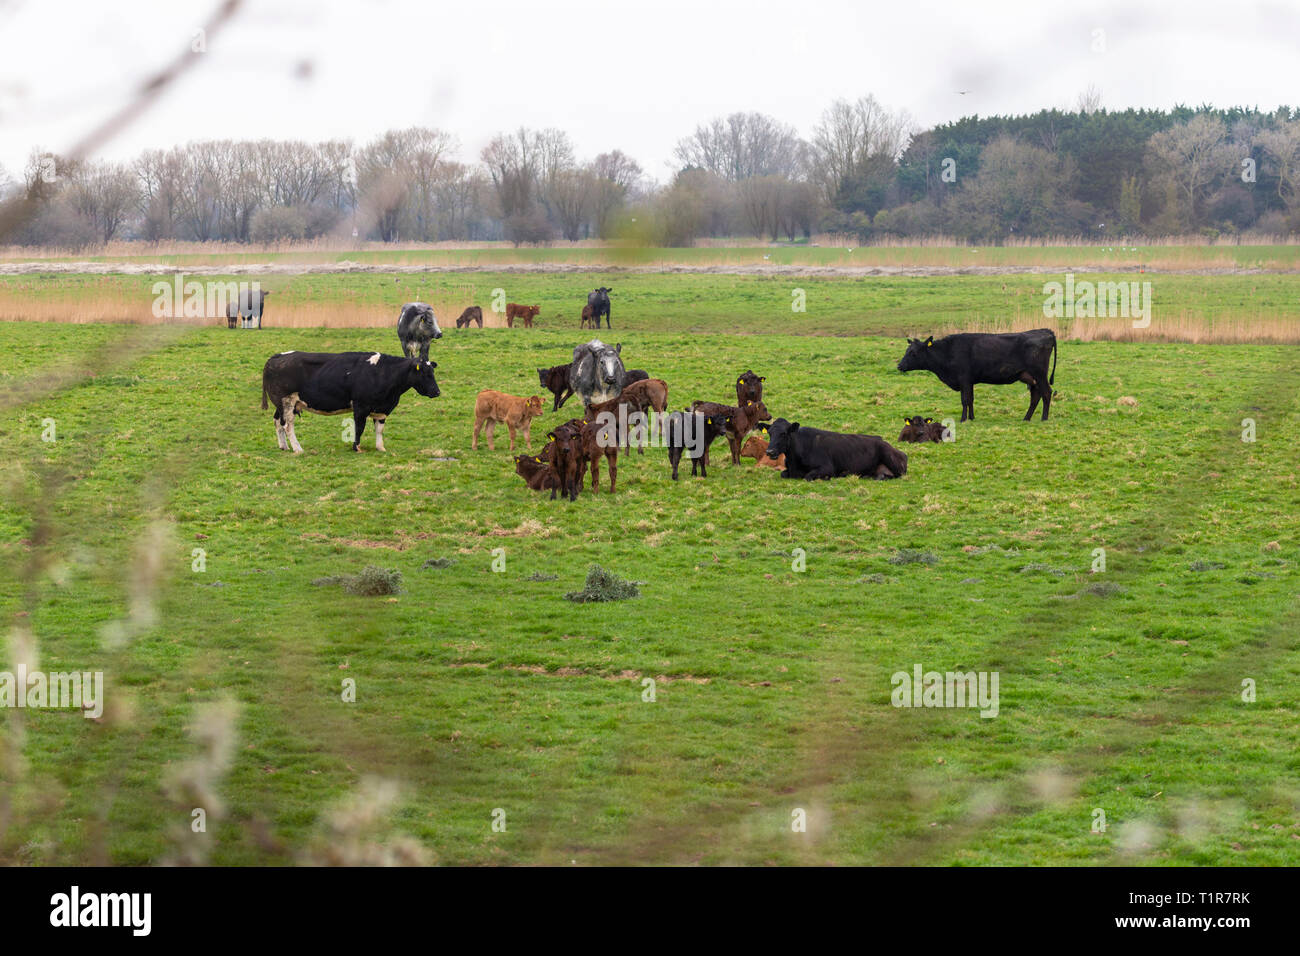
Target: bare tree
{"x":742,"y":145}
{"x":1089,"y":100}
{"x":857,"y":141}
{"x":1281,"y":146}
{"x":104,"y":195}
{"x":1191,"y":157}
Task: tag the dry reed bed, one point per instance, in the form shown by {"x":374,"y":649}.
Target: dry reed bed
{"x":1182,"y":327}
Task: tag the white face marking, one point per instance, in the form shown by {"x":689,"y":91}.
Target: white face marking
{"x":374,"y":359}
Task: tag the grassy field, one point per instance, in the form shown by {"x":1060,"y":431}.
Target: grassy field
{"x":479,"y":690}
{"x":1243,"y":308}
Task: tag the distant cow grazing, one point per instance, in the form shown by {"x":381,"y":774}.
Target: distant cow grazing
{"x":598,"y":302}
{"x":967,"y":359}
{"x":586,"y":321}
{"x":917,"y":429}
{"x":556,"y":381}
{"x":492,"y":406}
{"x":366,"y":383}
{"x":416,"y":328}
{"x":811,"y":453}
{"x":525,"y":312}
{"x":749,"y":387}
{"x":596,"y":374}
{"x":473,"y":314}
{"x":692,"y":432}
{"x":537,"y":472}
{"x":247,"y":311}
{"x":756,"y":448}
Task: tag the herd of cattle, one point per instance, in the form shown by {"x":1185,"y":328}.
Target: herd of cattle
{"x":618,"y":404}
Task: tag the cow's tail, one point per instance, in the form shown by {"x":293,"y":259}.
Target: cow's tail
{"x":1051,"y":378}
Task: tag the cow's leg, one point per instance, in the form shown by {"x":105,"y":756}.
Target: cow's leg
{"x":1033,"y":402}
{"x":511,"y":429}
{"x":478,"y":427}
{"x":286,"y":417}
{"x":612,"y":461}
{"x":1047,"y":399}
{"x":674,"y":459}
{"x":968,"y":402}
{"x":358,"y":426}
{"x":379,"y":434}
{"x":528,"y":436}
{"x":491,"y":425}
{"x":279,"y":432}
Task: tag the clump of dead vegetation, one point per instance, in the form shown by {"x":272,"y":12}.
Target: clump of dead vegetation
{"x":604,"y":585}
{"x":371,"y":582}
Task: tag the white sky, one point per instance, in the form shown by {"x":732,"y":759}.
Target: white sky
{"x":614,"y":75}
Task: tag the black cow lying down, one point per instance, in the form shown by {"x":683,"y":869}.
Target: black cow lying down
{"x":967,"y":359}
{"x":367,"y":384}
{"x":811,"y":453}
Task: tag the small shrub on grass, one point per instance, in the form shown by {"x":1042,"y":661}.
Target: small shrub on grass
{"x":371,"y":582}
{"x":912,"y":556}
{"x":604,"y":585}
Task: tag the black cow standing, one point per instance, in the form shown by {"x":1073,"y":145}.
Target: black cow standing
{"x":967,"y":359}
{"x":811,"y":453}
{"x":366,"y":383}
{"x":598,"y":299}
{"x":416,"y":328}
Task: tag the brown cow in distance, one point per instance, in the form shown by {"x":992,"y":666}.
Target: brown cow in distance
{"x":473,"y":314}
{"x":586,"y":321}
{"x":525,"y":312}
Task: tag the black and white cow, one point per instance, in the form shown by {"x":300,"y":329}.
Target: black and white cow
{"x":367,"y":384}
{"x":811,"y":453}
{"x":598,"y":300}
{"x":967,"y":359}
{"x":596,"y":374}
{"x":416,"y":328}
{"x":246,"y":312}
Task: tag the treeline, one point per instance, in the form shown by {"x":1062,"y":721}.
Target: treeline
{"x":864,"y":171}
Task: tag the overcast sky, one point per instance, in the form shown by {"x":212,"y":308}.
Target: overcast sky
{"x":636,"y":77}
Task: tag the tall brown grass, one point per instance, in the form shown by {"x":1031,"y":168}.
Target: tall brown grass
{"x":133,"y":310}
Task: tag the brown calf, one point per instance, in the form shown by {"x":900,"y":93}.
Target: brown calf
{"x":744,"y":418}
{"x":525,"y":312}
{"x":756,"y":448}
{"x":492,"y":406}
{"x":537,"y":471}
{"x":918,"y":429}
{"x":586,"y":320}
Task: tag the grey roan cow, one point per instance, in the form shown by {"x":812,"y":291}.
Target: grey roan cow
{"x":597,"y":374}
{"x":416,"y":328}
{"x":966,"y":359}
{"x":598,"y":299}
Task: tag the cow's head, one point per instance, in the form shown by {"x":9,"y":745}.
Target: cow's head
{"x":749,"y":387}
{"x":917,"y":355}
{"x":917,"y":422}
{"x":758,"y":411}
{"x":603,"y":290}
{"x":778,"y":437}
{"x":423,"y":380}
{"x":533,"y":407}
{"x":428,"y":318}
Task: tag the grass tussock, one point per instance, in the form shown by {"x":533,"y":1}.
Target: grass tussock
{"x":604,"y":585}
{"x":371,"y":582}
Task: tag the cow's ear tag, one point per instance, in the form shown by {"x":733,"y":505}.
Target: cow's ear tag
{"x":929,"y":342}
